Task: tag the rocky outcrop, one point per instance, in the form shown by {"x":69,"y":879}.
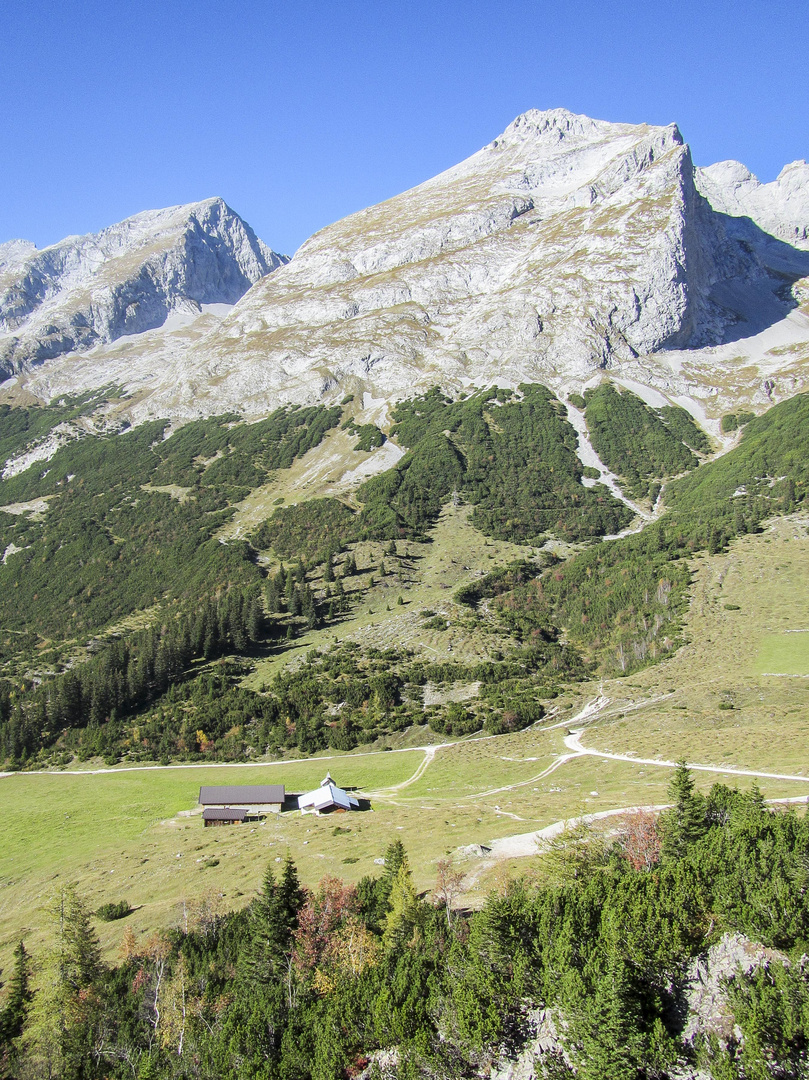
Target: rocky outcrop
{"x":705,"y":1012}
{"x":90,"y":290}
{"x":705,"y":994}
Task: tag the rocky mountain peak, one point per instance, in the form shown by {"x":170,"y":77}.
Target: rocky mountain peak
{"x":88,"y":290}
{"x":564,"y":247}
{"x":14,"y":252}
{"x":554,"y":125}
{"x":780,"y":208}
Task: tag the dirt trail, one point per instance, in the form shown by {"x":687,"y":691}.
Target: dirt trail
{"x":429,"y":754}
{"x":428,"y":750}
{"x":573,"y":742}
{"x":521,"y":845}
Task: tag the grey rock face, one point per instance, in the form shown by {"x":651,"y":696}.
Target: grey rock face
{"x":705,"y":992}
{"x":706,"y":1011}
{"x":88,"y":290}
{"x":564,"y":247}
{"x":780,"y":208}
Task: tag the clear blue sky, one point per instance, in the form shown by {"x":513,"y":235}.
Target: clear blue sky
{"x":298,"y":113}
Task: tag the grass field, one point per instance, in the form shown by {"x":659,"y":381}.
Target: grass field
{"x":719,"y":706}
{"x":783,"y":654}
{"x":456,"y":554}
{"x":134,"y":834}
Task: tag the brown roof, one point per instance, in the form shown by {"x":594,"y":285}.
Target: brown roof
{"x":249,"y":795}
{"x":213,"y":813}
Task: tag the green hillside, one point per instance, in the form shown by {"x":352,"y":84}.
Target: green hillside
{"x":128,"y":525}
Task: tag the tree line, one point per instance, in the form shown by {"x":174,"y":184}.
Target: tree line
{"x":127,"y":676}
{"x":130,"y":520}
{"x":512,"y":456}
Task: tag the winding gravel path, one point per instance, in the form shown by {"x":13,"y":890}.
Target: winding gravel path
{"x":573,"y":742}
{"x":525,"y":844}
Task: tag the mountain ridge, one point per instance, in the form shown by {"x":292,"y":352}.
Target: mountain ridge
{"x":564,"y":247}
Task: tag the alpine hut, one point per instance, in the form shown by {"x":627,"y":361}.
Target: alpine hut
{"x":230,"y":804}
{"x":327,"y":799}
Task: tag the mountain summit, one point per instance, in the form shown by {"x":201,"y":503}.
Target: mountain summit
{"x":89,"y":290}
{"x":566,"y":246}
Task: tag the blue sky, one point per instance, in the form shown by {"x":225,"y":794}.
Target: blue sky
{"x":298,"y":113}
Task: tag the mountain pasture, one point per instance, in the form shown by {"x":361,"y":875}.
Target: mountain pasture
{"x":784,"y":654}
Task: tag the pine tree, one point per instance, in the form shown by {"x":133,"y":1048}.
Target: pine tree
{"x":67,"y":1007}
{"x":403,"y":909}
{"x":254,"y":619}
{"x":685,"y":822}
{"x":78,"y":948}
{"x":340,"y":594}
{"x":273,"y":596}
{"x":12,"y":1017}
{"x":395,"y":857}
{"x":609,"y":1028}
{"x":755,"y":799}
{"x":292,"y":895}
{"x":295,"y":605}
{"x":307,"y":600}
{"x":273,"y":918}
{"x":267,"y":935}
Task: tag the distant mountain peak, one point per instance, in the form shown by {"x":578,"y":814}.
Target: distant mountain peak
{"x":14,"y":252}
{"x":87,"y":290}
{"x":780,"y":208}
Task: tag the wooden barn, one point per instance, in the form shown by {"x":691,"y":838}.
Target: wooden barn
{"x":222,"y":815}
{"x":231,"y":804}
